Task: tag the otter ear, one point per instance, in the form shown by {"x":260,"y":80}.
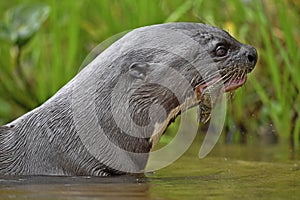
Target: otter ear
{"x":138,"y":70}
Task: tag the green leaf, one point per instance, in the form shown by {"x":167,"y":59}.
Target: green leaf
{"x":23,"y":21}
{"x":5,"y":33}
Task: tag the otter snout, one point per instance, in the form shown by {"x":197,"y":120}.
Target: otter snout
{"x":251,"y":57}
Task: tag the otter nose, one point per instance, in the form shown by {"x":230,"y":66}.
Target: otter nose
{"x":251,"y":56}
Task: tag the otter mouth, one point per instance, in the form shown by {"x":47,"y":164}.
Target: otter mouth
{"x":229,"y":84}
{"x":233,"y":84}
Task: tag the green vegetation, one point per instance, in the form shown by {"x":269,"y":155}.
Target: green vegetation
{"x":60,"y":34}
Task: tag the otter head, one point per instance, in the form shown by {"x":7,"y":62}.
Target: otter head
{"x":173,"y":67}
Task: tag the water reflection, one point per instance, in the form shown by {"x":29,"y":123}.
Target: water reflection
{"x":46,"y":187}
{"x":249,"y":171}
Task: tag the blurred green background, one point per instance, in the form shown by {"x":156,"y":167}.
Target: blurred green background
{"x":42,"y":46}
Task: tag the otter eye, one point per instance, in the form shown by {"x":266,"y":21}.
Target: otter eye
{"x":221,"y":50}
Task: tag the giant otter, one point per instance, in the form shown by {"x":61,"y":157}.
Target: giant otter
{"x":108,"y":117}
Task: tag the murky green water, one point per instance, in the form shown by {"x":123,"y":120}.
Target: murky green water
{"x":229,"y":172}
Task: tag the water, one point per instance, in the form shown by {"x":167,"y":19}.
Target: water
{"x":228,"y":172}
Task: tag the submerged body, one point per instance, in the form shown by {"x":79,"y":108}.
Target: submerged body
{"x":106,"y":119}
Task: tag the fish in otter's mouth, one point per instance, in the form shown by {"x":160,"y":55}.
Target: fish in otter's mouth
{"x":205,"y":99}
